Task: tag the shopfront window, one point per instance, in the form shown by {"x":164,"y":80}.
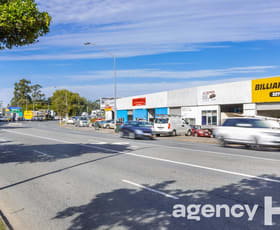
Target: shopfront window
{"x":209,"y":117}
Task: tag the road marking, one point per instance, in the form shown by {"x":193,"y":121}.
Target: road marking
{"x":41,"y":153}
{"x":150,"y":189}
{"x":197,"y":150}
{"x":154,"y":158}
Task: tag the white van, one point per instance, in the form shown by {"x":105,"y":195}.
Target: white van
{"x":171,"y":125}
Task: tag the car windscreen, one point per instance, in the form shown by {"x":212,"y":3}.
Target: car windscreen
{"x":256,"y":123}
{"x":83,"y":118}
{"x":161,"y":120}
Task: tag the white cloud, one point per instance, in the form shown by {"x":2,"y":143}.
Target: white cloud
{"x":96,"y":91}
{"x":144,"y":27}
{"x":156,"y":73}
{"x":6,"y":95}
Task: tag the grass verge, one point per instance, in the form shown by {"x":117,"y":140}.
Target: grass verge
{"x":2,"y":226}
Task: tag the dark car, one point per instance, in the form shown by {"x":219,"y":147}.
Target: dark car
{"x":136,"y":129}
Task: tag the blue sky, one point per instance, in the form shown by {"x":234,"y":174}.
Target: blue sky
{"x":160,"y":45}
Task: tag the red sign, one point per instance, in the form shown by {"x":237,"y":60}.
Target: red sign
{"x":139,"y":101}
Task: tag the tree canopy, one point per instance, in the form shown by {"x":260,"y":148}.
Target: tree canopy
{"x":25,"y":93}
{"x":21,"y":23}
{"x":67,"y":102}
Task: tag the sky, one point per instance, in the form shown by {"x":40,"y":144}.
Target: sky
{"x":159,"y":45}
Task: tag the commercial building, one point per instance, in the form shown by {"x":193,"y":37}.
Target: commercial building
{"x":206,"y":105}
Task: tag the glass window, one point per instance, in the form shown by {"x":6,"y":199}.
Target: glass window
{"x":209,"y":117}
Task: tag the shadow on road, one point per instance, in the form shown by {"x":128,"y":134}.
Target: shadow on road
{"x":140,"y":209}
{"x":19,"y":153}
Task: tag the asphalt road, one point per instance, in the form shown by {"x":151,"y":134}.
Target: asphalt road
{"x":57,"y":178}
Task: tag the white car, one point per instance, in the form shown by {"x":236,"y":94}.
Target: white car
{"x":71,"y":121}
{"x":109,"y":125}
{"x":251,"y":132}
{"x":172,"y":125}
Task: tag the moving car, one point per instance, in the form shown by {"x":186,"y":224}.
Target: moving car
{"x":136,"y":129}
{"x":171,"y":125}
{"x":251,"y":132}
{"x":82,"y":122}
{"x":198,"y":131}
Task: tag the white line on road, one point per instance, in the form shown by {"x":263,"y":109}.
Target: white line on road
{"x":198,"y":150}
{"x":150,"y":189}
{"x":154,"y":158}
{"x":41,"y":153}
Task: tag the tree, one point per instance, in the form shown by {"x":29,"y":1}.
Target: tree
{"x":21,"y":23}
{"x":22,"y":92}
{"x":37,"y":95}
{"x":65,"y":102}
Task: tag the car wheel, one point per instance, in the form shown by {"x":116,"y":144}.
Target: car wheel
{"x":174,"y":133}
{"x":222,"y":141}
{"x":158,"y":135}
{"x":195,"y":134}
{"x":256,"y":146}
{"x":108,"y":127}
{"x":132,"y":135}
{"x":189,"y":133}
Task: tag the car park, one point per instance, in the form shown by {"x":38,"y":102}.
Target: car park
{"x":171,"y":125}
{"x":136,"y":129}
{"x":251,"y":132}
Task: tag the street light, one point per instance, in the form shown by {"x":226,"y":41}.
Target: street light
{"x":115,"y":77}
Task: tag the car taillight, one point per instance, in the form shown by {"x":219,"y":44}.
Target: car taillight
{"x":169,"y":126}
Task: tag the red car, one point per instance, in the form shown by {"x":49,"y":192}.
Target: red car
{"x":197,"y":131}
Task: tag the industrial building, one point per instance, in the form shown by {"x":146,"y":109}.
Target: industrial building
{"x":206,"y":105}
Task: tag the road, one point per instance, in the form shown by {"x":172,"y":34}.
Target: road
{"x":57,"y":178}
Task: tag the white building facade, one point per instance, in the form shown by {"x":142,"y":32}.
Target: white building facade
{"x":206,"y":105}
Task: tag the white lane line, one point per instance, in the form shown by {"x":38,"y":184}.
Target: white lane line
{"x":204,"y":167}
{"x":41,"y":153}
{"x":150,"y":189}
{"x":155,"y":158}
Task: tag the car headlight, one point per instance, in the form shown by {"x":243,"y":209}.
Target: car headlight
{"x":137,"y":131}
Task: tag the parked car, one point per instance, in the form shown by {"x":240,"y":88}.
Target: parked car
{"x":252,"y":132}
{"x":136,"y":129}
{"x":3,"y":118}
{"x":198,"y":131}
{"x":71,"y":121}
{"x":109,"y":124}
{"x":172,"y":125}
{"x":82,"y":122}
{"x":98,"y":124}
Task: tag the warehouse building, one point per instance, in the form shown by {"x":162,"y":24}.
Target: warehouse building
{"x":206,"y":105}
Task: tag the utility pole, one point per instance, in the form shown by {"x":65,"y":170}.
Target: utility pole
{"x":115,"y":77}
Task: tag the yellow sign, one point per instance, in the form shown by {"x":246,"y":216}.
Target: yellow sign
{"x":109,"y":108}
{"x":28,"y":115}
{"x":266,"y":90}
